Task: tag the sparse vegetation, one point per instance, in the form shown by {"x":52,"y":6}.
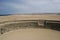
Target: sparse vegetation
{"x":13,"y":26}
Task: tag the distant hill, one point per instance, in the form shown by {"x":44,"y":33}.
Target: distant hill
{"x":30,"y":14}
{"x":37,"y":13}
{"x":5,"y":14}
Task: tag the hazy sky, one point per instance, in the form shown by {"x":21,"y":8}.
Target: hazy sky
{"x":29,"y":6}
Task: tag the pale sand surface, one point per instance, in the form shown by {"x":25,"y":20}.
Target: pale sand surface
{"x":31,"y":34}
{"x":29,"y":17}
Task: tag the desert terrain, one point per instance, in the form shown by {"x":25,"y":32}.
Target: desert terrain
{"x":31,"y":34}
{"x":29,"y":17}
{"x":25,"y":22}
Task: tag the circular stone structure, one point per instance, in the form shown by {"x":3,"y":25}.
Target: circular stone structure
{"x":31,"y":34}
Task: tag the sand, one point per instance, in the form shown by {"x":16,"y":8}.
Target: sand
{"x":31,"y":34}
{"x":29,"y":17}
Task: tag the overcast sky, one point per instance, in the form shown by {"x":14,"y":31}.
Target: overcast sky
{"x":29,"y":6}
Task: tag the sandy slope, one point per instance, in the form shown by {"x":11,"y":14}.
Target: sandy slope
{"x":31,"y":34}
{"x":29,"y":17}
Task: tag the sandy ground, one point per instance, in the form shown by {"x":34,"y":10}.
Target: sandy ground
{"x":29,"y":17}
{"x":31,"y":34}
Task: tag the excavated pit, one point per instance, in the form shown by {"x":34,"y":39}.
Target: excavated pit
{"x":7,"y":26}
